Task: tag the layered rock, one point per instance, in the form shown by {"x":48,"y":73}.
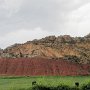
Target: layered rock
{"x":41,"y":67}
{"x":76,"y":48}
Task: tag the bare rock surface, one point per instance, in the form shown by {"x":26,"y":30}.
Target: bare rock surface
{"x":41,"y":66}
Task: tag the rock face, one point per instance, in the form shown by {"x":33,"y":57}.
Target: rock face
{"x":41,"y":66}
{"x":74,"y":49}
{"x":1,"y":51}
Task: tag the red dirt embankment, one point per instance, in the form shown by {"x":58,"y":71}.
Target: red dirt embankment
{"x":37,"y":66}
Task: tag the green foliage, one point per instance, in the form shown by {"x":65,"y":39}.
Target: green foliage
{"x":61,"y":87}
{"x":45,"y":82}
{"x":86,"y":87}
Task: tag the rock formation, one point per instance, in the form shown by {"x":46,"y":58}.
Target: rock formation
{"x":74,"y":49}
{"x":41,"y":66}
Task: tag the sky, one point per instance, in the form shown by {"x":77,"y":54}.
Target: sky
{"x":25,"y":20}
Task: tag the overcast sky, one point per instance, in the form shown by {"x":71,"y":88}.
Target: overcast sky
{"x":24,"y":20}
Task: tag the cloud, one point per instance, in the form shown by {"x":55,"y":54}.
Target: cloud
{"x":52,"y":16}
{"x":78,"y":21}
{"x":21,"y":36}
{"x":12,"y":6}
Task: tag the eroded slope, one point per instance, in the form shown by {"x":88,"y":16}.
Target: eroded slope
{"x":41,"y":66}
{"x":74,"y":49}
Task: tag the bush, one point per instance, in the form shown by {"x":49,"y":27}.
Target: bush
{"x":61,"y":87}
{"x":86,"y":87}
{"x":40,"y":87}
{"x":74,"y":88}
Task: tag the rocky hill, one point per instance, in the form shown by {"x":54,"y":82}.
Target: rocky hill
{"x":74,"y":49}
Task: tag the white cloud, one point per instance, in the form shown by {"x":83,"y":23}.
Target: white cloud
{"x":79,"y":21}
{"x":12,"y":6}
{"x":21,"y":36}
{"x":19,"y":18}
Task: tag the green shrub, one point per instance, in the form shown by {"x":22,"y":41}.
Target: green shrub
{"x":61,"y":87}
{"x":74,"y":88}
{"x":86,"y":87}
{"x":40,"y":87}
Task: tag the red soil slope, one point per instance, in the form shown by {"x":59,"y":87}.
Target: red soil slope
{"x":37,"y":66}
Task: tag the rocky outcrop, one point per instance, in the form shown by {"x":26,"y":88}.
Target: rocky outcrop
{"x":87,"y":36}
{"x":75,"y":49}
{"x":1,"y":51}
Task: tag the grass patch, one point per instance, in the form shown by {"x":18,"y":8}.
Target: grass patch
{"x":25,"y":83}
